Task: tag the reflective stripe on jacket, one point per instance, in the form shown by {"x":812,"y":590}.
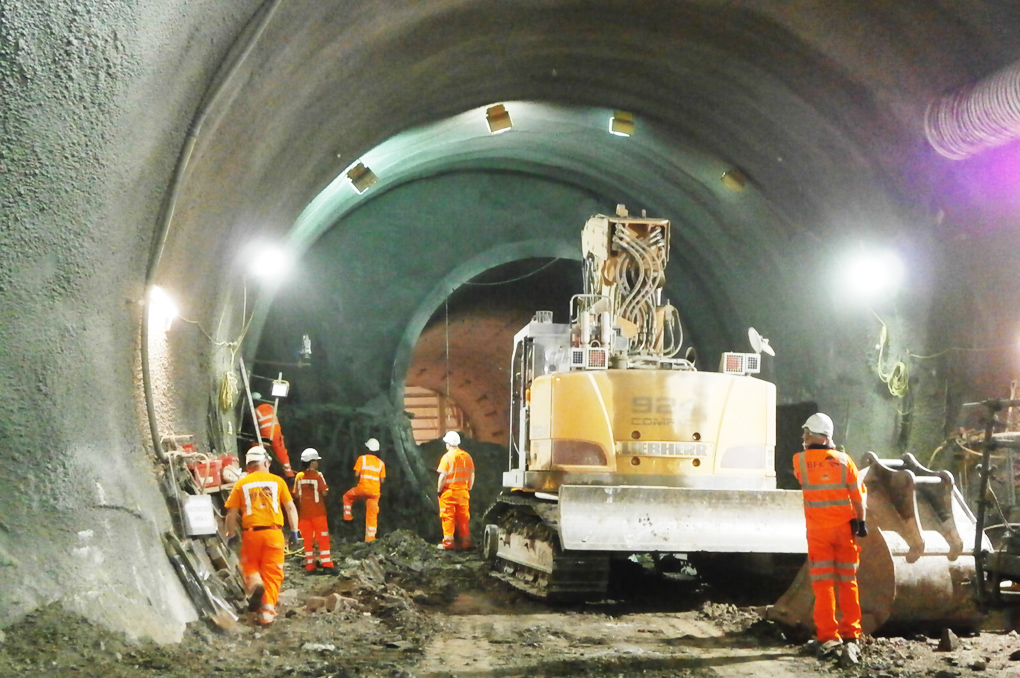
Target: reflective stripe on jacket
{"x":259,"y":496}
{"x":830,"y":483}
{"x":309,"y":490}
{"x":371,"y":471}
{"x":268,"y":424}
{"x":458,"y":466}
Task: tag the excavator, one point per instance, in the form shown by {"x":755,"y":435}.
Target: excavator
{"x":619,"y":446}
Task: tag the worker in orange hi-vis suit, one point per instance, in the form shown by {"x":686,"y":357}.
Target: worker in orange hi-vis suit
{"x":310,"y":489}
{"x":456,"y":479}
{"x":257,"y":498}
{"x":834,"y":509}
{"x":269,"y":429}
{"x":371,"y":472}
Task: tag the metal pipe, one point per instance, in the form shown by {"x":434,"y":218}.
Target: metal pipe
{"x":977,"y":116}
{"x":982,"y":505}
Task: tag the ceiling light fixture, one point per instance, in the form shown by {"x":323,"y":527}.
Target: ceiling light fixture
{"x":361,"y":178}
{"x":498,"y":119}
{"x":734,"y":179}
{"x":621,"y":124}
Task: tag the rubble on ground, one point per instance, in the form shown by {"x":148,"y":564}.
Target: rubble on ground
{"x":387,"y":605}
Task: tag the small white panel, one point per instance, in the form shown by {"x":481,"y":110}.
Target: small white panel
{"x":199,"y":516}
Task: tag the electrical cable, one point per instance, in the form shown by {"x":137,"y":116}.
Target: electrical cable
{"x":446,"y":324}
{"x":897,"y":377}
{"x":966,"y":350}
{"x":513,"y":280}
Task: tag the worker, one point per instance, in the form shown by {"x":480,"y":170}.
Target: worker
{"x":257,"y":499}
{"x":835,"y":511}
{"x":269,"y":430}
{"x":371,"y":471}
{"x":310,"y":489}
{"x":456,"y":479}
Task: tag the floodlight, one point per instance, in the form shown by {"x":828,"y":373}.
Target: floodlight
{"x":873,"y":273}
{"x":271,"y":263}
{"x":280,"y":388}
{"x":162,"y":308}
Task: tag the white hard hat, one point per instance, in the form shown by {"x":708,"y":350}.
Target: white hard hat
{"x":372,"y":444}
{"x":819,"y":424}
{"x":310,"y":455}
{"x":452,"y":438}
{"x":255,"y":453}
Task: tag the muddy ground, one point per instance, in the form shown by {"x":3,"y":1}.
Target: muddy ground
{"x":406,"y":609}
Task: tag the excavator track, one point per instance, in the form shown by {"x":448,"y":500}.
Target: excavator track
{"x":522,"y":539}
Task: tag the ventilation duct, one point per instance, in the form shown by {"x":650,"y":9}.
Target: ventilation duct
{"x":976,"y":117}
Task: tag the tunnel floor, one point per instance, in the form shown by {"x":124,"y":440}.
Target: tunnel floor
{"x":402,"y":608}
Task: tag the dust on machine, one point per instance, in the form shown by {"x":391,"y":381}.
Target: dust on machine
{"x":619,"y":445}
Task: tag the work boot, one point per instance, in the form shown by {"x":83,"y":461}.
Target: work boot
{"x":830,"y":648}
{"x":851,"y":653}
{"x":255,"y":599}
{"x":267,"y":615}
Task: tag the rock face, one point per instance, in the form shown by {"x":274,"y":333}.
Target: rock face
{"x":100,"y":105}
{"x":91,"y":106}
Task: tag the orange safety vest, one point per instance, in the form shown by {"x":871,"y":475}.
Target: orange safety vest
{"x":829,"y":481}
{"x":269,"y":425}
{"x":458,"y":466}
{"x":371,"y":472}
{"x":259,"y":497}
{"x":310,"y":488}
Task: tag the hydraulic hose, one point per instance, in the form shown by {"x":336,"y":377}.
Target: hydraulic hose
{"x":976,"y":117}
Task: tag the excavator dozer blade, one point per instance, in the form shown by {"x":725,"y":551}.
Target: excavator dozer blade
{"x":915,"y":569}
{"x":637,"y":519}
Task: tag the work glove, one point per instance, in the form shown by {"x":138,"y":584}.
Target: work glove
{"x":294,"y":539}
{"x":862,"y":528}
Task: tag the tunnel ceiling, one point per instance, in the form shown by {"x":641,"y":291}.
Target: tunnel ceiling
{"x":820,"y":110}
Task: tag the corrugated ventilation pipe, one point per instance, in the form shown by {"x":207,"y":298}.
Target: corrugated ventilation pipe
{"x":976,"y":117}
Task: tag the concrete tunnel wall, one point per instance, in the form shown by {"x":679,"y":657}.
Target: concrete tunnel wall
{"x":821,"y":106}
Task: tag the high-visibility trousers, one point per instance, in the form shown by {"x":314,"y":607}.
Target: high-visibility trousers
{"x":315,"y":529}
{"x":455,"y":513}
{"x":833,"y":558}
{"x":371,"y":498}
{"x":261,"y":560}
{"x":280,"y":452}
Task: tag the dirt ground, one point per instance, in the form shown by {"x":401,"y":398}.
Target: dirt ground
{"x":406,"y":609}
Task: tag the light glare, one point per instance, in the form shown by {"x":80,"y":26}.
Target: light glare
{"x":271,"y":263}
{"x":162,"y":309}
{"x":871,"y":274}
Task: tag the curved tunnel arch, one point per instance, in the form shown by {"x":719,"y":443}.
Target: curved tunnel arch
{"x":820,"y":105}
{"x":486,"y":260}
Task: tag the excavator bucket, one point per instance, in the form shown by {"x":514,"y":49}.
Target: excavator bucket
{"x":915,"y":569}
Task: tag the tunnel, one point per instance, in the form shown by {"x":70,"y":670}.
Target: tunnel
{"x":161,"y":144}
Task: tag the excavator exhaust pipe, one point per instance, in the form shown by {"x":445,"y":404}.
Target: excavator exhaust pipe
{"x":914,"y":572}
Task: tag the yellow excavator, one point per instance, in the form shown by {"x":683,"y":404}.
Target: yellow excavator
{"x":619,"y":446}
